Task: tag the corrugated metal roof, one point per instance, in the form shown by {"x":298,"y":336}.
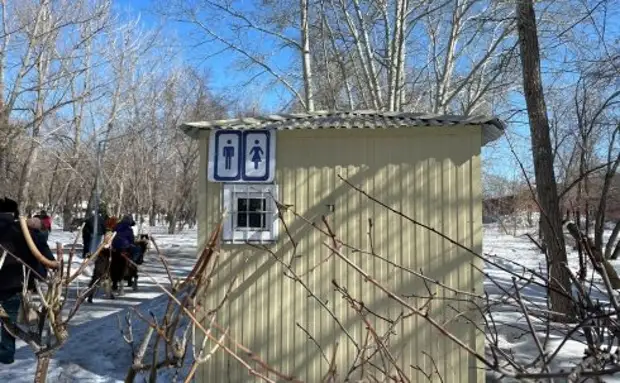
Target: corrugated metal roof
{"x":492,"y":127}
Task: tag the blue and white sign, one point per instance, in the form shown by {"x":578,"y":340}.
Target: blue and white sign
{"x":259,"y":156}
{"x":225,"y":156}
{"x":241,"y":156}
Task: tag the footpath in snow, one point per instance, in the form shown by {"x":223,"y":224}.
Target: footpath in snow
{"x":96,"y":351}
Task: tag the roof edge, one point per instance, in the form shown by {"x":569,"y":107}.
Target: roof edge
{"x":493,"y":127}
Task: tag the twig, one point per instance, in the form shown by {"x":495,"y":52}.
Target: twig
{"x":318,"y":346}
{"x":331,"y":375}
{"x":393,"y":296}
{"x":531,"y":327}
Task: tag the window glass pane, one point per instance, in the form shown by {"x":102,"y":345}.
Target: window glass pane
{"x":242,"y":220}
{"x":251,"y":213}
{"x":257,"y":212}
{"x":257,"y":220}
{"x":242,"y":205}
{"x":257,"y":204}
{"x":242,"y":208}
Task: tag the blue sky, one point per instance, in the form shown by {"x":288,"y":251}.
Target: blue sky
{"x":223,"y":76}
{"x":498,"y":159}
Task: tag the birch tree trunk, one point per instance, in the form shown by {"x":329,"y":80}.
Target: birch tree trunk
{"x":42,"y":65}
{"x":50,"y":203}
{"x":8,"y":101}
{"x":70,"y":198}
{"x":306,"y":58}
{"x":399,"y":90}
{"x":551,"y":226}
{"x":121,"y":190}
{"x":4,"y":117}
{"x":447,"y":69}
{"x":4,"y":149}
{"x":123,"y":64}
{"x":396,"y":56}
{"x":154,"y":191}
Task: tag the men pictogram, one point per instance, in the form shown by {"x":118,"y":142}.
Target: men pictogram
{"x":229,"y":153}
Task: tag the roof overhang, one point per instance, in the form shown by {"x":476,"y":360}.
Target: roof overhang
{"x":492,"y":127}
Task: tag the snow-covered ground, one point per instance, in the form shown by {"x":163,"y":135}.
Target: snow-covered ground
{"x":97,"y":353}
{"x":516,"y":253}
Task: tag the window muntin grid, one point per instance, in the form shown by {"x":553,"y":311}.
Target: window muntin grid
{"x":251,"y":212}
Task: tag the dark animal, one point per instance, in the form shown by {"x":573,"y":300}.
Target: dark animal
{"x":112,"y":268}
{"x":131,"y":271}
{"x":101,"y":274}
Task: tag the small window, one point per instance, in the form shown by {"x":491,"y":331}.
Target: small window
{"x":251,"y":213}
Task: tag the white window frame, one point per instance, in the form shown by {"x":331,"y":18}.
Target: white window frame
{"x":231,"y":192}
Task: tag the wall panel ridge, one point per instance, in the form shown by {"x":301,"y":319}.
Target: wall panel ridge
{"x":432,"y":178}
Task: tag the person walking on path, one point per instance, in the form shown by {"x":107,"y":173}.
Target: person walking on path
{"x":91,"y":235}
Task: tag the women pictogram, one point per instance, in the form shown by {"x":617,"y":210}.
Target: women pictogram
{"x":256,"y":152}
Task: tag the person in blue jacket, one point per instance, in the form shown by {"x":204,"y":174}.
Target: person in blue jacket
{"x":124,"y":239}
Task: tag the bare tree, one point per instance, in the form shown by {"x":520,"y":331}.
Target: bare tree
{"x":52,"y":69}
{"x":355,"y":54}
{"x":269,"y":21}
{"x":546,"y":188}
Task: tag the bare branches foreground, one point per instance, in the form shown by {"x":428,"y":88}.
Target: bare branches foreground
{"x":45,"y":311}
{"x":187,"y":335}
{"x":594,"y":326}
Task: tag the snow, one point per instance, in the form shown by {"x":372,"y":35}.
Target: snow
{"x":97,"y":353}
{"x":514,"y":252}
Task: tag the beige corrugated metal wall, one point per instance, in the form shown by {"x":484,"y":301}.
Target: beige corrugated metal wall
{"x":431,"y":174}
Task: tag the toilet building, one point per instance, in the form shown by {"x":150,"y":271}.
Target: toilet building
{"x":293,"y":302}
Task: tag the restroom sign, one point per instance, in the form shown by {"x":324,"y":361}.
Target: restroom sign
{"x":241,"y":156}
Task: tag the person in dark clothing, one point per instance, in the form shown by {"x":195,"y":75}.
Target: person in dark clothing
{"x":10,"y":303}
{"x":125,"y":240}
{"x":46,"y":222}
{"x":89,"y":232}
{"x":11,"y":273}
{"x":13,"y":241}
